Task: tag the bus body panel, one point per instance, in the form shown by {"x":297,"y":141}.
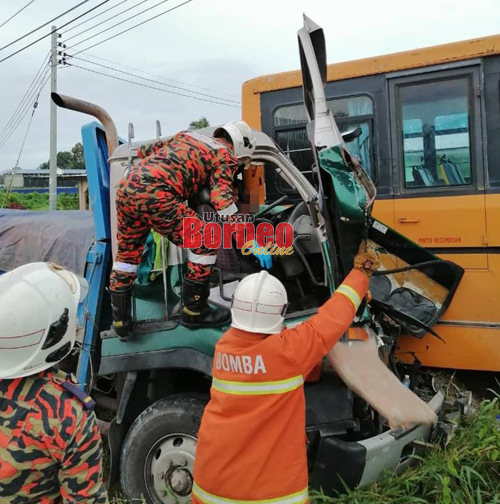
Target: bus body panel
{"x":457,"y":220}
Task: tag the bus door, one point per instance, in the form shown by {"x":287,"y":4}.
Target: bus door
{"x":437,"y":155}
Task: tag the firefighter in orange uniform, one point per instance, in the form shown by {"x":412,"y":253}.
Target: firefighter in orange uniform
{"x":251,"y":444}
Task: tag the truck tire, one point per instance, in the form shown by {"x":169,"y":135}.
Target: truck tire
{"x":158,"y":452}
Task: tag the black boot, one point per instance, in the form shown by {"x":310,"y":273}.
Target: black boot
{"x":196,"y":312}
{"x":121,"y":306}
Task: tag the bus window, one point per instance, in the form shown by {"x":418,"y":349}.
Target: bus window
{"x":290,"y":131}
{"x":435,"y":133}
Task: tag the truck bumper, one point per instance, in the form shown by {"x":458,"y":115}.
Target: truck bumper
{"x":392,"y":450}
{"x":363,"y":462}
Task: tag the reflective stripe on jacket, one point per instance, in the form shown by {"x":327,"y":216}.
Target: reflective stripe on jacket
{"x":251,"y":443}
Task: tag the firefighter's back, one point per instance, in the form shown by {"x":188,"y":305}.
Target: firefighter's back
{"x":252,"y":439}
{"x":50,"y":445}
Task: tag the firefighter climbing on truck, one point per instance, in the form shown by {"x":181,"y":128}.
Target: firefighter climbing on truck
{"x":152,"y":195}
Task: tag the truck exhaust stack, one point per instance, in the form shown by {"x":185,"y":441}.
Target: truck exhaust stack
{"x":99,"y":113}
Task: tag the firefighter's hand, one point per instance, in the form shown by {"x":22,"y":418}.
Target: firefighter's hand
{"x":366,"y":260}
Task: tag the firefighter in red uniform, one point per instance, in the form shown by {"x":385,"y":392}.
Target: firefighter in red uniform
{"x":251,"y":444}
{"x":50,"y":445}
{"x":152,"y":195}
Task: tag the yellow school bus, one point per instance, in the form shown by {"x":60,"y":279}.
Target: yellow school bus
{"x":430,"y":140}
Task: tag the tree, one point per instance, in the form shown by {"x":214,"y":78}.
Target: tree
{"x":78,"y":159}
{"x":202,"y":122}
{"x":68,"y":160}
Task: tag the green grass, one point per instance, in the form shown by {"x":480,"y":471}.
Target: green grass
{"x":37,"y":201}
{"x":466,"y":471}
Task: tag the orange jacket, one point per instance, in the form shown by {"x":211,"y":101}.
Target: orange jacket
{"x":251,"y":443}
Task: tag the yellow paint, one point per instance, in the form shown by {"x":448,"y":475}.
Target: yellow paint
{"x":464,"y":348}
{"x":493,"y":219}
{"x":383,"y":210}
{"x":477,"y":297}
{"x":437,"y":222}
{"x":436,"y":55}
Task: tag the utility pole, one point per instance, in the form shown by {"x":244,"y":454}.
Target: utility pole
{"x":53,"y":123}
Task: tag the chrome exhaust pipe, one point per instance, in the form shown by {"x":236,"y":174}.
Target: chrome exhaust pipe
{"x":99,"y":113}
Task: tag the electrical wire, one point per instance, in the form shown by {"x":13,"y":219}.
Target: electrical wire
{"x":14,"y":170}
{"x":93,"y":17}
{"x":11,"y":132}
{"x":28,"y":91}
{"x":20,"y":116}
{"x":117,"y":24}
{"x":18,"y":12}
{"x":42,"y":26}
{"x":108,"y":19}
{"x":151,"y":87}
{"x":16,"y":166}
{"x":157,"y":82}
{"x":132,"y":27}
{"x":53,"y":31}
{"x":158,"y":76}
{"x":28,"y":96}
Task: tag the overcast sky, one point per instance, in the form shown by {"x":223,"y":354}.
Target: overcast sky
{"x":214,"y":44}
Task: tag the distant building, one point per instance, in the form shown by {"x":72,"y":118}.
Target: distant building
{"x":68,"y":181}
{"x":31,"y":179}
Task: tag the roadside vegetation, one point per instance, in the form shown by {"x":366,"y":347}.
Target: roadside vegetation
{"x":37,"y":201}
{"x":465,"y":471}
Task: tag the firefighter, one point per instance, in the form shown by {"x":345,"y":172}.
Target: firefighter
{"x":152,"y":195}
{"x":50,"y":445}
{"x":251,"y":444}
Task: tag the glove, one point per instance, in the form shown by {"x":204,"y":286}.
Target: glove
{"x":265,"y":261}
{"x":366,"y":260}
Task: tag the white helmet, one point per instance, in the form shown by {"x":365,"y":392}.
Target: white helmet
{"x":242,"y":137}
{"x":38,"y":322}
{"x":259,"y":304}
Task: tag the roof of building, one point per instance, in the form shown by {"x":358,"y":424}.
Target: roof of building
{"x":45,"y":173}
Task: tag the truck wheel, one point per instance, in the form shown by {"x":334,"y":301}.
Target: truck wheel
{"x":158,"y":453}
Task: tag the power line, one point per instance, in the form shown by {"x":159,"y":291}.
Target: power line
{"x":33,"y":84}
{"x":159,"y":76}
{"x":6,"y":139}
{"x":49,"y":34}
{"x":152,"y":87}
{"x":42,"y":26}
{"x":22,"y":113}
{"x":108,"y":19}
{"x":157,"y":82}
{"x":132,"y":27}
{"x":18,"y":12}
{"x":16,"y":166}
{"x":117,"y":24}
{"x":93,"y":17}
